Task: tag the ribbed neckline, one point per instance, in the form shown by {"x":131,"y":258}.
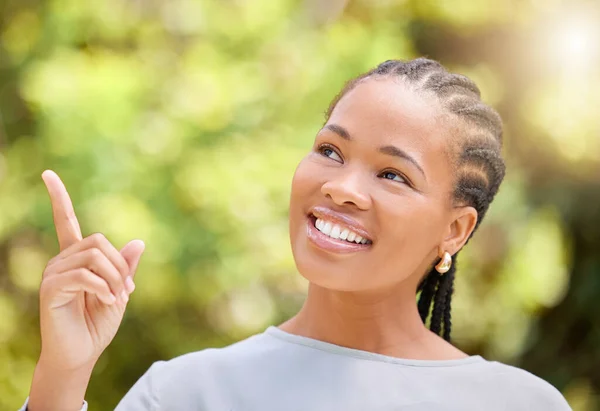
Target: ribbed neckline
{"x":352,"y":352}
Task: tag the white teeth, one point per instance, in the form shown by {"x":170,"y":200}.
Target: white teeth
{"x":335,"y":231}
{"x":319,"y":224}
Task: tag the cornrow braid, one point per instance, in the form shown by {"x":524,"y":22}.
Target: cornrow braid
{"x":428,"y":289}
{"x":440,"y":316}
{"x":479,"y":164}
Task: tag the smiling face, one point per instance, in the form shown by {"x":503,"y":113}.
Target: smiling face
{"x":379,"y":167}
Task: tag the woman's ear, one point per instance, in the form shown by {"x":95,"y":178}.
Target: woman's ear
{"x":463,"y":223}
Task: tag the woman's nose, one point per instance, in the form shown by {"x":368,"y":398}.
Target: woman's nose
{"x":348,"y":188}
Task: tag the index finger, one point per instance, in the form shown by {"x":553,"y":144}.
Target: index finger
{"x":65,"y":221}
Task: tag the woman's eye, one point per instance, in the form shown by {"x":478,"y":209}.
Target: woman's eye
{"x":393,"y":176}
{"x":329,"y":152}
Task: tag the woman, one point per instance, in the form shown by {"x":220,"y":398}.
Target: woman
{"x":399,"y":178}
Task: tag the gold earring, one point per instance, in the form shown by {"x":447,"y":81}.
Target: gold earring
{"x":444,"y":265}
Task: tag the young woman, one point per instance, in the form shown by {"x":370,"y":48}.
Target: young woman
{"x":398,"y":179}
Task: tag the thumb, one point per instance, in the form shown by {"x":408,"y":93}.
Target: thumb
{"x":132,"y":252}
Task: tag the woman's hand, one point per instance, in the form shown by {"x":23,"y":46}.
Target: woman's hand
{"x":84,"y":289}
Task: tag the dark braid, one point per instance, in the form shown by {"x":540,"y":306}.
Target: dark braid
{"x":427,"y":288}
{"x":448,"y":278}
{"x":441,"y":304}
{"x":479,"y":165}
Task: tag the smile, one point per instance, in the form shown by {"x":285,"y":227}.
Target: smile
{"x":335,"y":237}
{"x":336,"y":231}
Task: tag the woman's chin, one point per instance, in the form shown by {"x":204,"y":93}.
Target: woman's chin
{"x":329,"y":265}
{"x":338,"y":278}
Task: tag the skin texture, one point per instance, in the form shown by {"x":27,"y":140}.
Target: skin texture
{"x":83,"y":296}
{"x":366,"y":299}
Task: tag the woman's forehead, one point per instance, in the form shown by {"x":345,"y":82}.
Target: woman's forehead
{"x":387,"y":111}
{"x":388,"y":107}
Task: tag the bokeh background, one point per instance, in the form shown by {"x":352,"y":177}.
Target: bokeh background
{"x":181,"y":123}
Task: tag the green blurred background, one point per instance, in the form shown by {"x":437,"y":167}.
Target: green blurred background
{"x":181,"y":123}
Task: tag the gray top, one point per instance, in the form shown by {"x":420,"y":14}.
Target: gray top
{"x":276,"y":370}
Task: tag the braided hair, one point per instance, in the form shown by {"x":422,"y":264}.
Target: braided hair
{"x":477,"y":160}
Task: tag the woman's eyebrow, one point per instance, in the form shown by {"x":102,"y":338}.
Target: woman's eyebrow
{"x":339,"y":130}
{"x":389,"y":149}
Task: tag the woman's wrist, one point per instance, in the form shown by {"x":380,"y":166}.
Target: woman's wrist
{"x":54,"y":389}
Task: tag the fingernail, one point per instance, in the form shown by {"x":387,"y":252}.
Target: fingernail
{"x":130,"y":285}
{"x":112,"y":299}
{"x":124,"y":296}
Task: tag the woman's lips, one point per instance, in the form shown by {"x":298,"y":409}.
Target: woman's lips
{"x":342,"y":219}
{"x":331,"y":244}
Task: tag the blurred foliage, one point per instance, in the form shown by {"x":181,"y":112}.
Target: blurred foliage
{"x":181,"y":123}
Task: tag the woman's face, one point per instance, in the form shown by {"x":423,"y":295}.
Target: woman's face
{"x":379,"y":169}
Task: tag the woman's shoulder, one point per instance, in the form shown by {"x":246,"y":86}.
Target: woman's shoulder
{"x":255,"y":348}
{"x":525,"y":386}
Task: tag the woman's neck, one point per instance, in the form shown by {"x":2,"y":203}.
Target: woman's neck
{"x":385,"y":323}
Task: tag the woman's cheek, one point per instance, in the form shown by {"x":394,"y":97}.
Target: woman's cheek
{"x":411,"y":224}
{"x":308,"y":175}
{"x":301,"y":169}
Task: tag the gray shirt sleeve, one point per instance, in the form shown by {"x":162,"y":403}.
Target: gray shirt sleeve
{"x":142,"y":396}
{"x":24,"y":407}
{"x":546,"y":397}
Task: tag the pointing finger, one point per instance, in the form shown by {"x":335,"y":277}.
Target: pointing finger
{"x":65,"y":221}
